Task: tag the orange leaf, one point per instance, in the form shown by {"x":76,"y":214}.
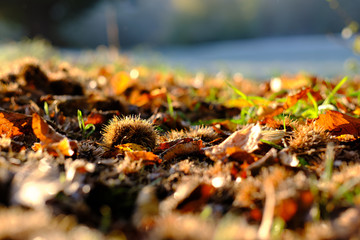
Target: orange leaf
{"x":51,"y":141}
{"x":95,"y":118}
{"x":338,"y":123}
{"x":14,"y":124}
{"x":43,"y":131}
{"x":291,"y":100}
{"x":239,"y":155}
{"x":148,"y":158}
{"x":120,"y":82}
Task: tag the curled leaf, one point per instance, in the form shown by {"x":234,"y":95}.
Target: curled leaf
{"x":246,"y":139}
{"x":182,"y":148}
{"x":50,"y":140}
{"x":17,"y":127}
{"x":43,"y":131}
{"x":339,"y":124}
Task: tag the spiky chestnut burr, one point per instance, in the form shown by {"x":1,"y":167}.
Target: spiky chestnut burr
{"x":129,"y":129}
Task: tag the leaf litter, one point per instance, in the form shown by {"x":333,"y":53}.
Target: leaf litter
{"x":175,"y":156}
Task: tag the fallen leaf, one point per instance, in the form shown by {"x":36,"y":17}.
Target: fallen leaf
{"x":17,"y":127}
{"x":148,"y":158}
{"x":246,"y":139}
{"x":14,"y":124}
{"x":166,"y":145}
{"x":120,"y":82}
{"x":338,"y":123}
{"x":272,"y":111}
{"x":43,"y":131}
{"x":182,"y":148}
{"x":50,"y":140}
{"x":239,"y":155}
{"x":95,"y":118}
{"x":291,"y":100}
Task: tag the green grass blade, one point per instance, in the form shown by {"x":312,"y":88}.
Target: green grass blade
{"x":240,"y":93}
{"x":274,"y":145}
{"x":170,"y":105}
{"x":316,"y":109}
{"x":334,"y":91}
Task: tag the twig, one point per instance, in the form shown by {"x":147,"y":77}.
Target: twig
{"x":266,"y":222}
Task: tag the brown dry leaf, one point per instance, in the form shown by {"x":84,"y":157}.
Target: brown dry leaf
{"x":246,"y":139}
{"x":52,"y":141}
{"x":95,"y":118}
{"x":339,"y":124}
{"x":166,"y":145}
{"x":148,"y":158}
{"x":43,"y":131}
{"x":291,"y":100}
{"x":239,"y":155}
{"x":14,"y":124}
{"x":182,"y":148}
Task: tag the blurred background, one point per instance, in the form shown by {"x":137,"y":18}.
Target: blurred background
{"x":258,"y":38}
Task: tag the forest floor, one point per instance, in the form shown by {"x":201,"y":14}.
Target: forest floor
{"x":114,"y":150}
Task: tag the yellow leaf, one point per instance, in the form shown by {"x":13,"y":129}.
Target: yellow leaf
{"x":129,"y":147}
{"x":120,"y":82}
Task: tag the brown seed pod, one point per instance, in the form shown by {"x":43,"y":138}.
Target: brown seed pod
{"x":204,"y":133}
{"x":307,"y":136}
{"x":129,"y":129}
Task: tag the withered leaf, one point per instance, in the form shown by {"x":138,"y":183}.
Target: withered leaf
{"x":166,"y":145}
{"x":148,"y":158}
{"x":17,"y":127}
{"x":14,"y":124}
{"x":338,"y":123}
{"x":182,"y":148}
{"x":120,"y":82}
{"x":43,"y":131}
{"x":240,"y":155}
{"x":52,"y":141}
{"x":291,"y":100}
{"x":246,"y":139}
